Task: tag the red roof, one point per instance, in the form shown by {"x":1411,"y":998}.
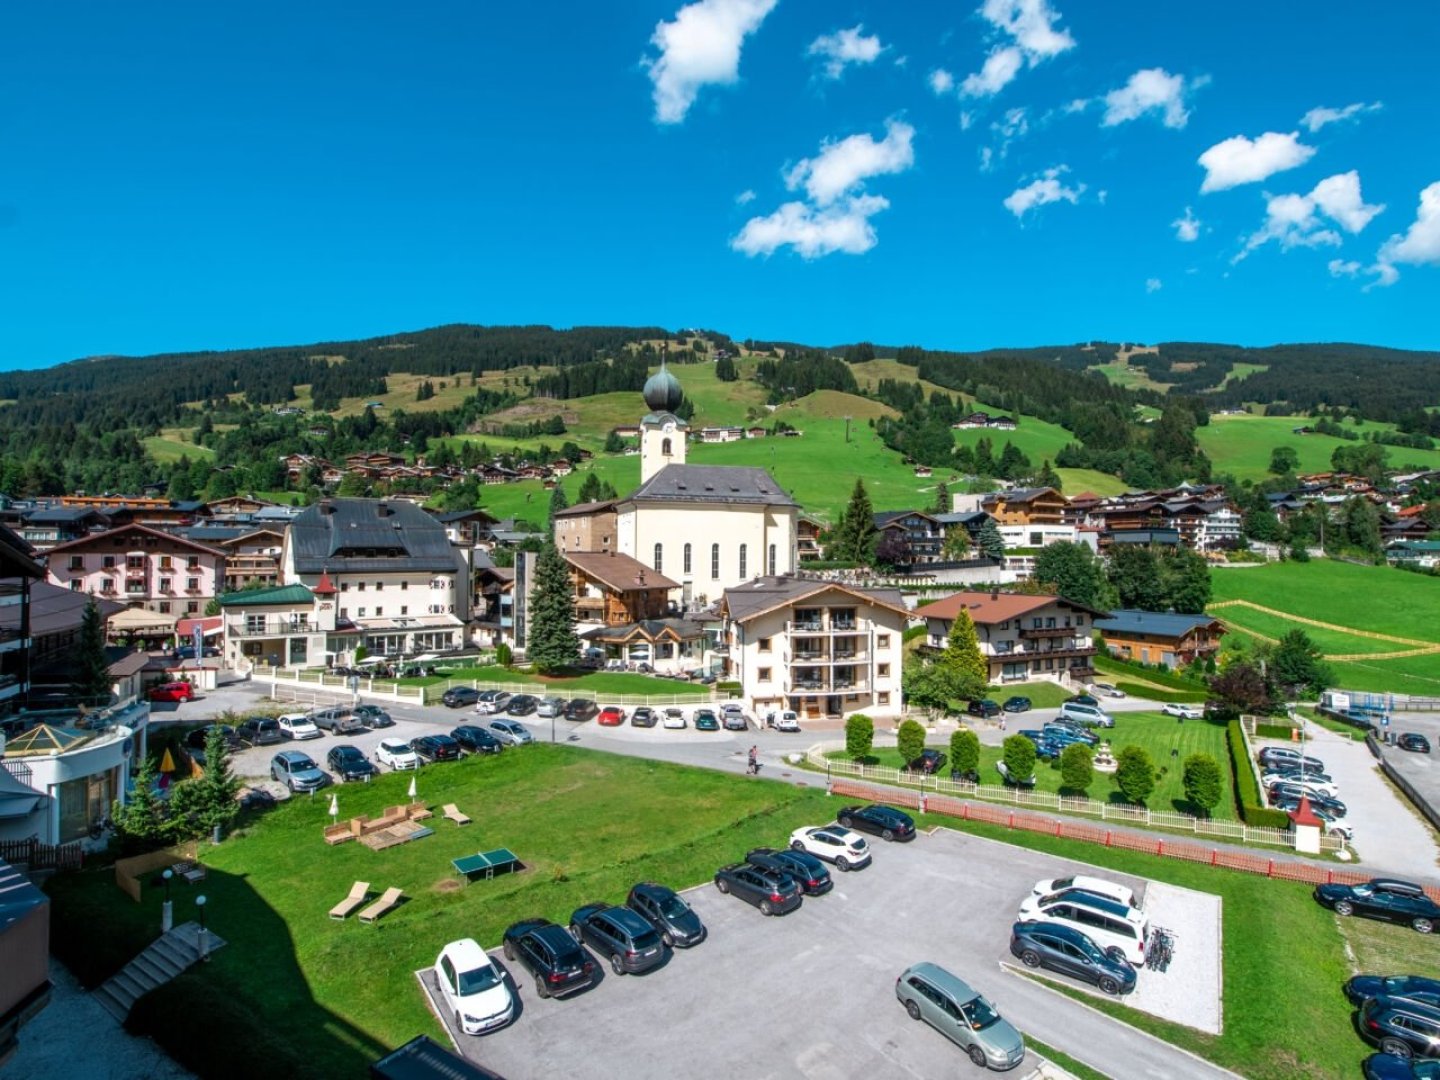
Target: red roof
{"x":1303,"y":815}
{"x":324,"y":587}
{"x":185,"y":628}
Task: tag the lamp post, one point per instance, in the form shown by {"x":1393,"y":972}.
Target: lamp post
{"x":167,"y":912}
{"x":204,"y":941}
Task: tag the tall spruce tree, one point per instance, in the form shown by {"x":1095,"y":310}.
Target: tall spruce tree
{"x":552,"y":644}
{"x":855,"y":535}
{"x":963,"y":656}
{"x":990,"y":542}
{"x":93,"y":667}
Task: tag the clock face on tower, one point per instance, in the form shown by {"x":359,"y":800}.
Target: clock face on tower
{"x":669,"y":427}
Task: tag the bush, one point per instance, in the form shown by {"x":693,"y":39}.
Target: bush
{"x":1019,"y":757}
{"x":1251,"y":804}
{"x":1077,"y":769}
{"x":911,"y":740}
{"x":504,"y":656}
{"x":1159,"y":674}
{"x":1274,"y":731}
{"x":1134,"y":774}
{"x":1202,"y":781}
{"x":964,"y":750}
{"x":859,"y":736}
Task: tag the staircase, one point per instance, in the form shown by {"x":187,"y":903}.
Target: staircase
{"x":166,"y":958}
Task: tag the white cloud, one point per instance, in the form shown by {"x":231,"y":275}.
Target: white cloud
{"x":1047,"y":189}
{"x":1420,"y":244}
{"x":1013,"y":125}
{"x":1149,"y":90}
{"x":1029,"y":24}
{"x":1318,"y":117}
{"x":966,"y":119}
{"x":845,"y":47}
{"x":842,"y":227}
{"x":841,"y":166}
{"x":1342,"y":268}
{"x":941,"y":82}
{"x":1153,"y":284}
{"x":1295,"y":220}
{"x":1187,"y":228}
{"x":1385,"y":276}
{"x":746,"y":196}
{"x":1079,"y":105}
{"x":1239,"y":160}
{"x":987,"y":158}
{"x":700,"y":47}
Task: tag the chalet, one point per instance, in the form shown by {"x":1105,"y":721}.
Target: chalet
{"x":1150,"y":637}
{"x":755,"y":433}
{"x":807,"y":537}
{"x":236,"y":506}
{"x":533,"y":472}
{"x":1421,"y":554}
{"x":142,"y":567}
{"x":252,"y":558}
{"x":1022,"y":637}
{"x":371,"y":461}
{"x":922,"y":472}
{"x":1025,"y":506}
{"x":627,"y":431}
{"x":923,"y":536}
{"x":721,"y":434}
{"x":1144,"y":537}
{"x":465,"y":528}
{"x":44,"y":528}
{"x":623,"y":607}
{"x":330,"y":475}
{"x":496,"y":474}
{"x":974,"y":420}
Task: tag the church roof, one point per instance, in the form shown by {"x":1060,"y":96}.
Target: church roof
{"x":712,"y":484}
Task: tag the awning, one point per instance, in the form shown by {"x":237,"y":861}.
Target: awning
{"x":140,"y":621}
{"x":211,"y":626}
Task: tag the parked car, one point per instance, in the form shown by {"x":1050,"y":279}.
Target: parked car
{"x":1089,"y":715}
{"x":1392,"y":1067}
{"x":337,"y":720}
{"x":490,"y":702}
{"x":550,"y":708}
{"x":1016,"y":704}
{"x":631,"y":943}
{"x":1105,"y":689}
{"x":665,"y":910}
{"x":1184,"y":712}
{"x":432,"y":748}
{"x":883,"y":821}
{"x":1121,"y":894}
{"x":787,"y":720}
{"x":579,"y":709}
{"x":1414,"y":742}
{"x":773,"y":893}
{"x":951,"y":1007}
{"x":1065,"y":734}
{"x":476,"y":740}
{"x":458,"y":697}
{"x":522,"y":705}
{"x":1271,"y":755}
{"x":1085,"y":699}
{"x":557,"y":961}
{"x":1415,"y":987}
{"x":983,"y":707}
{"x":295,"y":726}
{"x":297,"y":771}
{"x":808,"y":871}
{"x":196,"y":739}
{"x":1295,"y":772}
{"x":1400,"y":1027}
{"x":473,"y":989}
{"x":733,"y":716}
{"x":1309,"y":781}
{"x":510,"y":732}
{"x":930,"y":762}
{"x":1288,"y":790}
{"x":847,"y":850}
{"x":1383,"y":898}
{"x":611,"y":716}
{"x":1335,"y":825}
{"x":348,"y":762}
{"x":172,"y":691}
{"x":1072,"y":952}
{"x":260,"y":730}
{"x":705,"y":720}
{"x":643,"y":716}
{"x":397,"y":754}
{"x":1106,"y":923}
{"x":372,"y":716}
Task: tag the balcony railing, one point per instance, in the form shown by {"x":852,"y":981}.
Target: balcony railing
{"x":826,"y":686}
{"x":270,"y":629}
{"x":820,"y":626}
{"x":850,"y":656}
{"x":1049,"y":631}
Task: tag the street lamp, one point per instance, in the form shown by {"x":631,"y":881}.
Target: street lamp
{"x":167,"y":913}
{"x":204,"y":944}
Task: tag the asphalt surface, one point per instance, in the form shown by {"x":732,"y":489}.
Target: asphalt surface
{"x":1422,"y":771}
{"x":812,"y":993}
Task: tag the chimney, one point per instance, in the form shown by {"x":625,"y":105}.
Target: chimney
{"x":383,"y":508}
{"x":995,"y":594}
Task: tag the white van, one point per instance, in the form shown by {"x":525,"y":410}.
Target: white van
{"x":1088,"y":715}
{"x":1099,"y":886}
{"x":1105,"y":922}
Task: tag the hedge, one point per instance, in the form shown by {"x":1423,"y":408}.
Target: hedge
{"x":1160,"y":676}
{"x":1253,"y":810}
{"x":1274,"y":731}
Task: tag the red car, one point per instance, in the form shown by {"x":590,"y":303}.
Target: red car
{"x":173,"y":691}
{"x":611,"y":716}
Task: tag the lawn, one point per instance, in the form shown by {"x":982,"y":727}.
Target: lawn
{"x":166,"y":449}
{"x":1242,"y":444}
{"x":596,"y":682}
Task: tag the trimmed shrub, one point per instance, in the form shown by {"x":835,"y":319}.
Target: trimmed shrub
{"x":1248,"y":798}
{"x":859,"y":736}
{"x":1202,"y":781}
{"x":1077,"y":770}
{"x":964,"y":750}
{"x":910,"y":740}
{"x":1019,"y":757}
{"x":1274,"y":731}
{"x":1134,"y":774}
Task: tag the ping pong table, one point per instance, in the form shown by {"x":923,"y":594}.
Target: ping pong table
{"x":486,"y":864}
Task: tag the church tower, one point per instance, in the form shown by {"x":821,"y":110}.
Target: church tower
{"x":662,"y":433}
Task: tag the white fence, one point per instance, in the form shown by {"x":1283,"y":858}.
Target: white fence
{"x":1046,"y":800}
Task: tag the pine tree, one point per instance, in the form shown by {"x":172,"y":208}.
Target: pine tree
{"x":558,"y":502}
{"x":990,"y":542}
{"x":942,"y":498}
{"x":553,"y":644}
{"x":141,"y":824}
{"x":962,"y":651}
{"x":93,"y":666}
{"x":855,"y":535}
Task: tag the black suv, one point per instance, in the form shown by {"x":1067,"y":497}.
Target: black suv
{"x":476,"y":740}
{"x":663,"y":909}
{"x":260,"y":731}
{"x":883,"y":821}
{"x":773,"y":893}
{"x":632,"y":944}
{"x":1071,"y":952}
{"x":196,"y":739}
{"x":348,"y":762}
{"x":985,"y":707}
{"x":1360,"y":988}
{"x":1400,"y":1026}
{"x":579,"y":709}
{"x":458,"y":697}
{"x":929,"y":762}
{"x":522,"y":705}
{"x":432,"y":748}
{"x":1383,"y":898}
{"x":559,"y":965}
{"x":807,"y":871}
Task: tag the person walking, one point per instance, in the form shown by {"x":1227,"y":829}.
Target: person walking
{"x":754,"y":766}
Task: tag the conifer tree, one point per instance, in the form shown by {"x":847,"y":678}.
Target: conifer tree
{"x":552,"y":645}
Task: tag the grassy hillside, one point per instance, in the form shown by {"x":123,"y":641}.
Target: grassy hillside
{"x":1242,"y":445}
{"x":171,"y":447}
{"x":1037,"y":438}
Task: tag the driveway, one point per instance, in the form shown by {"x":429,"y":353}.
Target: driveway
{"x":812,"y":994}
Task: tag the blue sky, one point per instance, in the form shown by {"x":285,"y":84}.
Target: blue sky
{"x":956,"y":175}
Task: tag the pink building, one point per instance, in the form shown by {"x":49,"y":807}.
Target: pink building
{"x":140,"y":567}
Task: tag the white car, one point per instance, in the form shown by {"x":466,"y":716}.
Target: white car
{"x":397,"y":754}
{"x":1099,"y":886}
{"x":787,"y":721}
{"x":833,"y":843}
{"x":296,"y":726}
{"x":1328,"y":788}
{"x":1085,"y":715}
{"x":1184,"y":712}
{"x":1107,"y":689}
{"x":474,"y":991}
{"x":674,"y":718}
{"x":491,"y":702}
{"x":1104,"y":922}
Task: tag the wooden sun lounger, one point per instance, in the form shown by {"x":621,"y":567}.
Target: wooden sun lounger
{"x":358,"y":893}
{"x":453,"y":813}
{"x":381,"y":906}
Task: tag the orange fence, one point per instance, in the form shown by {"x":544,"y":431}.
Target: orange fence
{"x":1165,"y":847}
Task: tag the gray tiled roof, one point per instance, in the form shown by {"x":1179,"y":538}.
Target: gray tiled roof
{"x":1165,"y":624}
{"x":714,"y":484}
{"x":764,"y":594}
{"x":356,"y":535}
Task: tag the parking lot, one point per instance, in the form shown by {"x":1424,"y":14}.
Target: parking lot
{"x":812,"y":994}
